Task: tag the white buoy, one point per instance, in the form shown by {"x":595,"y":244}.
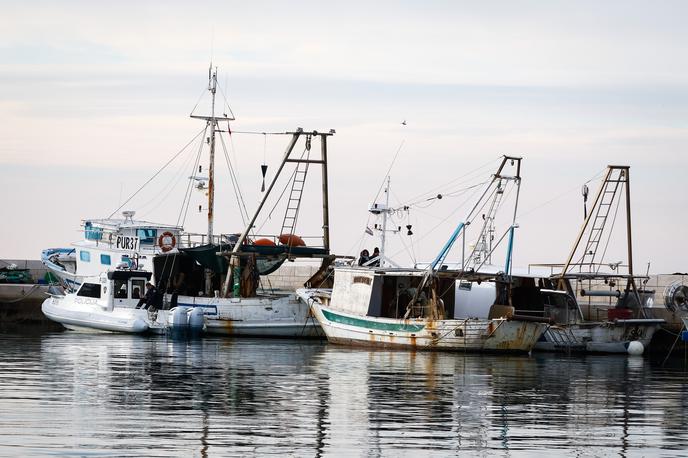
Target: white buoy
{"x":635,"y":348}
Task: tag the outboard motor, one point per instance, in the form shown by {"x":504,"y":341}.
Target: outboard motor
{"x":187,"y":321}
{"x":196,"y":320}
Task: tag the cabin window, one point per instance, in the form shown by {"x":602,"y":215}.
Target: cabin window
{"x":465,"y":285}
{"x":137,"y":288}
{"x":105,"y":259}
{"x":127,"y":260}
{"x":147,"y":236}
{"x":364,"y":280}
{"x":89,"y":290}
{"x":92,"y":233}
{"x":121,"y":289}
{"x":85,"y":256}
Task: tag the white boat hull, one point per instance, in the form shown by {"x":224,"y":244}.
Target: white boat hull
{"x":476,"y":335}
{"x":599,"y":337}
{"x":92,"y":316}
{"x":276,"y":316}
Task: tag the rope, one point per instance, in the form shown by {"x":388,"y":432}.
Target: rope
{"x":437,"y":188}
{"x":157,"y":173}
{"x":187,"y":195}
{"x":235,"y":185}
{"x":598,"y":175}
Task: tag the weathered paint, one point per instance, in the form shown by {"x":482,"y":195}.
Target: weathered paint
{"x":506,"y":335}
{"x":370,"y":324}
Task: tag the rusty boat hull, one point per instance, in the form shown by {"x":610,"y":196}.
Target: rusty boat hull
{"x":501,"y":335}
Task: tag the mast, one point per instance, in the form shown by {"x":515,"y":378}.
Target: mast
{"x":383,"y":235}
{"x":212,"y":122}
{"x":212,"y":87}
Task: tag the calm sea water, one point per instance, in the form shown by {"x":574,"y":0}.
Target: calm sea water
{"x":69,"y":394}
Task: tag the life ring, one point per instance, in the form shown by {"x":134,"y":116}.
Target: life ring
{"x":167,"y":241}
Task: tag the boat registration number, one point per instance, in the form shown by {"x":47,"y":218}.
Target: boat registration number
{"x":127,"y":243}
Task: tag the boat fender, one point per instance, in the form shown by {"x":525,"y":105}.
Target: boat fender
{"x":291,"y":240}
{"x":635,"y":348}
{"x":167,"y":241}
{"x":139,"y":326}
{"x":196,"y":320}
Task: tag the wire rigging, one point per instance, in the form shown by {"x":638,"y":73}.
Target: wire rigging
{"x":235,"y":184}
{"x":157,"y":173}
{"x":187,"y":195}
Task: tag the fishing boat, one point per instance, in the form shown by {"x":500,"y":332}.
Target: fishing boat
{"x":416,"y":308}
{"x":228,"y":280}
{"x":215,"y":276}
{"x":625,"y":327}
{"x":111,"y":242}
{"x":108,"y":302}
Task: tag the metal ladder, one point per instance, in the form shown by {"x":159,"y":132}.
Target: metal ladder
{"x":294,"y":203}
{"x":562,"y":337}
{"x":608,"y":195}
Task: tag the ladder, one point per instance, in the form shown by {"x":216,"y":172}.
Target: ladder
{"x":483,"y":247}
{"x":562,"y":337}
{"x":608,"y":194}
{"x":298,"y":183}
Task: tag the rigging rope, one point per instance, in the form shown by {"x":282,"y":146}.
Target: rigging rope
{"x":235,"y":184}
{"x":187,"y":195}
{"x":157,"y":173}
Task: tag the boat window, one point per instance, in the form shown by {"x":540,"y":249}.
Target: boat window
{"x":89,"y":290}
{"x":92,"y":233}
{"x":147,"y":236}
{"x":137,"y":287}
{"x":85,"y":256}
{"x":127,"y":260}
{"x":121,"y":289}
{"x":105,"y":259}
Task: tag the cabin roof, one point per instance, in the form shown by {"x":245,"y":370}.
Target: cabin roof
{"x":119,"y":223}
{"x":127,"y":274}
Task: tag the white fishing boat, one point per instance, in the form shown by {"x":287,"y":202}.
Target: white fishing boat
{"x":109,"y":243}
{"x":211,"y":275}
{"x":417,"y":308}
{"x":109,"y":302}
{"x":228,"y":280}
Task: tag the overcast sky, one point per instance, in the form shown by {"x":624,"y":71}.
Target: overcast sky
{"x":95,"y":97}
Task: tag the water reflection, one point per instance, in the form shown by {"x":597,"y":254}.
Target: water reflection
{"x":78,"y":394}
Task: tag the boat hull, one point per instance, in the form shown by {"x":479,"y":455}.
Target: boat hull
{"x":275,"y":316}
{"x":475,"y":335}
{"x":599,"y":337}
{"x":92,"y":317}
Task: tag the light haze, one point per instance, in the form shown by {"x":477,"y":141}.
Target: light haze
{"x":95,"y":97}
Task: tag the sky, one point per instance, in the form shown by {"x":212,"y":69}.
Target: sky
{"x":95,"y":97}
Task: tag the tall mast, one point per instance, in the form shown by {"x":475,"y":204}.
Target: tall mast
{"x":212,"y":122}
{"x":212,"y":87}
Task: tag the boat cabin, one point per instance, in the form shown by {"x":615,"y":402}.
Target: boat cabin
{"x":387,"y":293}
{"x":119,"y":288}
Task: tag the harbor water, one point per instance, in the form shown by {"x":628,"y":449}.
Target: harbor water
{"x":71,"y":394}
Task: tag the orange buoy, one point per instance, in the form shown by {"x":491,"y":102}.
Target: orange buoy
{"x":264,"y":242}
{"x":291,"y":240}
